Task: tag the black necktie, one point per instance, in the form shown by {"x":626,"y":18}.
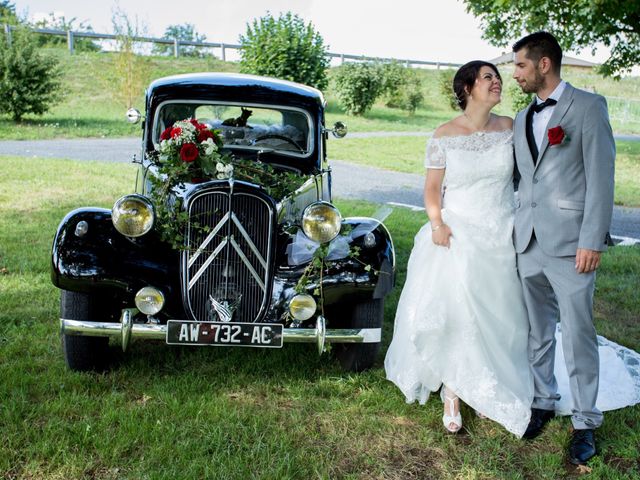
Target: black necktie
{"x":541,"y":106}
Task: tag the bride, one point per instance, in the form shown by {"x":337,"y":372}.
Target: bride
{"x":461,"y":325}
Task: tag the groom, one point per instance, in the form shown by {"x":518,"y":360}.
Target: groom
{"x":565,"y":155}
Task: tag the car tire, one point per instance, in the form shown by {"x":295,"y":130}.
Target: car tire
{"x":356,"y":357}
{"x":84,"y":353}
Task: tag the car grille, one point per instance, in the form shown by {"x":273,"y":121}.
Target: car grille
{"x":226,"y":269}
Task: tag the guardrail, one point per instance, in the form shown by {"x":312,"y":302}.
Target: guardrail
{"x":72,"y":35}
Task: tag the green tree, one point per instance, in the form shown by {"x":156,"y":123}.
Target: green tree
{"x":446,"y":87}
{"x":286,"y":48}
{"x":577,"y":24}
{"x":55,"y":22}
{"x":29,"y":80}
{"x":358,"y":85}
{"x":184,"y":33}
{"x":401,"y":86}
{"x":8,"y":13}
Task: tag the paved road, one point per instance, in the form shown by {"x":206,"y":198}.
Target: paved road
{"x":350,"y":181}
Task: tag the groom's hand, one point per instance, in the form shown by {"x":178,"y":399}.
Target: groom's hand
{"x":587,"y":260}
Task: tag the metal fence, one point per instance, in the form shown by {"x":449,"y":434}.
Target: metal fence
{"x":222,"y":47}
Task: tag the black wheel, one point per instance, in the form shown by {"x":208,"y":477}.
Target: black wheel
{"x":273,"y":136}
{"x":84,"y":353}
{"x":356,"y":357}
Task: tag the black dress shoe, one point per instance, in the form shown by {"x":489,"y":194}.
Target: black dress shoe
{"x":539,"y":418}
{"x":582,"y":446}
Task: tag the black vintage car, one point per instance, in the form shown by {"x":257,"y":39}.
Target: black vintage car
{"x":246,"y":250}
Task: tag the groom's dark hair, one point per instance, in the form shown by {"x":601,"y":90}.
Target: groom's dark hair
{"x":541,"y":44}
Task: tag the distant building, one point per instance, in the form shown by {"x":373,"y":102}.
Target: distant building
{"x":507,"y":58}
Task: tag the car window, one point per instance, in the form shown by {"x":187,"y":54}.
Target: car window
{"x":250,"y":127}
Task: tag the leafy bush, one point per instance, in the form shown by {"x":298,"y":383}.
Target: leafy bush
{"x":357,"y":86}
{"x":519,"y":99}
{"x":446,"y":88}
{"x":285,"y":48}
{"x":186,"y":33}
{"x":59,"y":22}
{"x":29,"y":81}
{"x":401,"y":87}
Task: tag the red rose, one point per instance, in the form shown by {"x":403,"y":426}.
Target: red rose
{"x":188,"y":152}
{"x":199,"y":126}
{"x":175,"y":132}
{"x":556,"y":135}
{"x":204,"y":134}
{"x":166,"y":134}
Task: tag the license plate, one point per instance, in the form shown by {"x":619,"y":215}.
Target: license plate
{"x":186,"y":332}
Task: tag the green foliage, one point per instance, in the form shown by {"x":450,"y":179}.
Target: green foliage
{"x":446,"y":88}
{"x":29,"y":80}
{"x":577,"y":24}
{"x":285,"y":48}
{"x":519,"y":99}
{"x":55,"y":22}
{"x":184,"y":33}
{"x":8,"y":13}
{"x":130,"y":70}
{"x":401,"y":87}
{"x":358,"y":85}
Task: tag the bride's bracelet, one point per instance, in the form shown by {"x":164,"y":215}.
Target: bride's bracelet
{"x":433,"y":229}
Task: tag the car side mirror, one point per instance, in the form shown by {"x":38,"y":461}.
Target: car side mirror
{"x":339,"y":130}
{"x":133,"y":115}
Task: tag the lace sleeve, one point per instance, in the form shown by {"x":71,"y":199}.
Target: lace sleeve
{"x":435,"y":157}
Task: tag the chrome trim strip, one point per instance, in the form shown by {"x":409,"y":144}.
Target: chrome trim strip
{"x":247,"y":263}
{"x":247,"y":238}
{"x":204,"y":266}
{"x":207,"y":240}
{"x":159,"y":332}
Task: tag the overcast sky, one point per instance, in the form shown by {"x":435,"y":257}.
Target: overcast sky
{"x":432,"y":30}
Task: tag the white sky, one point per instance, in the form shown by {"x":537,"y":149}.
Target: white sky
{"x":432,"y":30}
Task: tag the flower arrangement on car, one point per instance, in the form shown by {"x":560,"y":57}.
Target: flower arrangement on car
{"x":190,"y":152}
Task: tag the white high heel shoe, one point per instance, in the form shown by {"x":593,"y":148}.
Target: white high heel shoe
{"x":453,"y":423}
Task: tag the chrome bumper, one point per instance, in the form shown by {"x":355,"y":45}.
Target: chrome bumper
{"x":126,"y":330}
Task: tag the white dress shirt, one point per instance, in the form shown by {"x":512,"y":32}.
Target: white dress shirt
{"x":541,"y":120}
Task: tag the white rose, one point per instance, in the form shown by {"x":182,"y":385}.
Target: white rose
{"x":228,"y":169}
{"x":220,"y":167}
{"x":209,"y":146}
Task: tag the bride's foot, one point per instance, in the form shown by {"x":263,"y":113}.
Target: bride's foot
{"x":451,"y":419}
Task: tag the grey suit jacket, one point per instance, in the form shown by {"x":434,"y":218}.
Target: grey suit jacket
{"x":567,"y":196}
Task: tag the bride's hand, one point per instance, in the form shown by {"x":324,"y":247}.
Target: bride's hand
{"x":440,"y":234}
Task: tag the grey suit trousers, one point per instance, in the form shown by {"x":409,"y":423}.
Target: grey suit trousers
{"x":553,"y":291}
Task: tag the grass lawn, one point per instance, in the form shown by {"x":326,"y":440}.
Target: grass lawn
{"x":223,"y":413}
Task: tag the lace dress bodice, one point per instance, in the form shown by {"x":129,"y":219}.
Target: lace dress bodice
{"x":477,"y":185}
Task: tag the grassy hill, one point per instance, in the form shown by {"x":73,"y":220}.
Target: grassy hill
{"x":90,"y":107}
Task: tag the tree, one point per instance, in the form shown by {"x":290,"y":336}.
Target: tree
{"x":29,"y":80}
{"x":358,"y":85}
{"x":184,"y":33}
{"x":285,"y":48}
{"x":576,"y":23}
{"x":60,"y":22}
{"x":8,"y":13}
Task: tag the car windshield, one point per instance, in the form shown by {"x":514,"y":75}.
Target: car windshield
{"x":286,"y":130}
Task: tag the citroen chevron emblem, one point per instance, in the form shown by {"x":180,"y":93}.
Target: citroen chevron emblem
{"x":225,"y":309}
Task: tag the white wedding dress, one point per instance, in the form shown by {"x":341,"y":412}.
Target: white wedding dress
{"x":461,"y":318}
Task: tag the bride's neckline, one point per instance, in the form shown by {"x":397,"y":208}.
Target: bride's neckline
{"x":478,"y":133}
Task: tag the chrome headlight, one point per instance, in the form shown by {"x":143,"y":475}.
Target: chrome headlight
{"x":321,"y":222}
{"x":302,"y":307}
{"x":132,"y":215}
{"x":149,"y":300}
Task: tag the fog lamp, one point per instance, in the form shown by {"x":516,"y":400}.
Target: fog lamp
{"x":132,"y":215}
{"x":302,"y":307}
{"x":149,"y":300}
{"x":321,"y":222}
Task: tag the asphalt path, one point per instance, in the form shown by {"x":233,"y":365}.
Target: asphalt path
{"x":351,"y":181}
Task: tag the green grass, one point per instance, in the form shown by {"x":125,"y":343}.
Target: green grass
{"x":180,"y":413}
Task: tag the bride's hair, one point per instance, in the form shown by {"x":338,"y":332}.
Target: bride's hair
{"x":465,"y":78}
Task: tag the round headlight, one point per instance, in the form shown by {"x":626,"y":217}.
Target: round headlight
{"x":302,"y":307}
{"x":132,"y":215}
{"x":149,"y":300}
{"x":321,"y":222}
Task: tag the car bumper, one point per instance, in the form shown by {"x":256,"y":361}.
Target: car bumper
{"x":125,"y":330}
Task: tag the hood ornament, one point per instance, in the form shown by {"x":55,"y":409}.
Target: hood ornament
{"x":224,"y":309}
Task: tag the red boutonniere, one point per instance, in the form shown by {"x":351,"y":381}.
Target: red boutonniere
{"x":557,"y":136}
